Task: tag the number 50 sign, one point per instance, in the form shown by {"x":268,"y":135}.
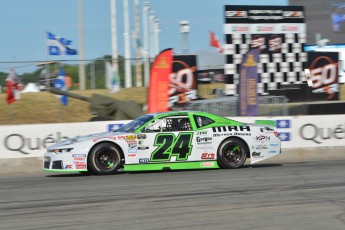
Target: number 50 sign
{"x":323,"y":68}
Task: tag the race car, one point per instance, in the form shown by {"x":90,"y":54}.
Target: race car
{"x":167,"y":141}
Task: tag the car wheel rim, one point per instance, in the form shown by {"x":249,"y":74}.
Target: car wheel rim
{"x":232,"y":154}
{"x":106,"y":160}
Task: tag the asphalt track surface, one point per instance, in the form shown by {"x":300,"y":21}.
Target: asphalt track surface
{"x":309,"y":195}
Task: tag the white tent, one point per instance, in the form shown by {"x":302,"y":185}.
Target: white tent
{"x":30,"y":88}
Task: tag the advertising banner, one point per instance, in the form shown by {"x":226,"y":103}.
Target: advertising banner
{"x":159,"y":86}
{"x":264,"y":14}
{"x":267,"y":43}
{"x":323,"y":68}
{"x":20,"y":141}
{"x":183,"y":86}
{"x":248,"y":97}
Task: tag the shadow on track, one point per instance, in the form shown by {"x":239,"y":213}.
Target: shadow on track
{"x":121,"y":172}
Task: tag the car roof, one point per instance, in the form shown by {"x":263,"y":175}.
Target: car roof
{"x":178,"y":113}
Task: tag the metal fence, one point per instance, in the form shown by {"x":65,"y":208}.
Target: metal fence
{"x":95,"y":72}
{"x":44,"y":72}
{"x":227,"y":106}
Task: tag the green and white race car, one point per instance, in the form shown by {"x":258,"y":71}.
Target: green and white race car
{"x":170,"y":140}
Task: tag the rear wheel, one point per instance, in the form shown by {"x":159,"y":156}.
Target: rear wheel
{"x":104,"y":159}
{"x":232,"y":153}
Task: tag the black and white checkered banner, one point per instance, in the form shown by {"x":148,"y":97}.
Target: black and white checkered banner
{"x":279,"y":33}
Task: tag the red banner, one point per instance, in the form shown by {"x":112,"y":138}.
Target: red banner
{"x":158,"y":92}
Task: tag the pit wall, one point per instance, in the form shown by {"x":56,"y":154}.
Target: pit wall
{"x":25,"y":141}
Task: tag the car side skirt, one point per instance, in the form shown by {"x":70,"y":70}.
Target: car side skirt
{"x":65,"y":170}
{"x":171,"y":166}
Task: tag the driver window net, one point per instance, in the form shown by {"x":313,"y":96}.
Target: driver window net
{"x":178,"y":124}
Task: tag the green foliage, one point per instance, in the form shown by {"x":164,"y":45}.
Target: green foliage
{"x":30,"y":77}
{"x":3,"y":76}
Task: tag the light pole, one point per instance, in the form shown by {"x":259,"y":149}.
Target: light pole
{"x":152,"y":34}
{"x":146,"y":43}
{"x":114,"y":35}
{"x":157,"y":30}
{"x":128,"y":72}
{"x":184,"y":30}
{"x":81,"y":46}
{"x":138,"y":54}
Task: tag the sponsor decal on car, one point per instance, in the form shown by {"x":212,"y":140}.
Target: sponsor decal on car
{"x":121,"y":137}
{"x":267,"y":129}
{"x":144,"y":160}
{"x":274,"y":145}
{"x":262,"y":138}
{"x":201,"y":133}
{"x":97,"y":139}
{"x":79,"y":158}
{"x":80,"y":166}
{"x":140,"y":142}
{"x":68,"y":167}
{"x":209,"y":156}
{"x":231,"y":131}
{"x":142,"y":147}
{"x":133,"y":150}
{"x":141,"y":136}
{"x":130,"y":137}
{"x":204,"y":148}
{"x":256,"y":154}
{"x":78,"y":155}
{"x":203,"y":139}
{"x":132,"y":144}
{"x":132,"y":155}
{"x":272,"y":152}
{"x":231,"y":128}
{"x":207,"y":164}
{"x":241,"y":134}
{"x":259,"y":147}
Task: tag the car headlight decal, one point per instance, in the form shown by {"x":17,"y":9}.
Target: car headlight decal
{"x":64,"y":150}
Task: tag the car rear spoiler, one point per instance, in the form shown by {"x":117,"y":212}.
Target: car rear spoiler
{"x":266,"y":122}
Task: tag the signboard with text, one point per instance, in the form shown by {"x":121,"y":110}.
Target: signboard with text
{"x":323,"y":68}
{"x":248,"y":96}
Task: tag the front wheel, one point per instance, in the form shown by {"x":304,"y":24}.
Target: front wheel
{"x":104,"y":159}
{"x":232,"y":153}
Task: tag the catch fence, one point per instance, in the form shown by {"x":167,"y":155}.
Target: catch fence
{"x":228,"y":106}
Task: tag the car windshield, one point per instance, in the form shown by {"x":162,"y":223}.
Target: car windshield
{"x":133,"y":125}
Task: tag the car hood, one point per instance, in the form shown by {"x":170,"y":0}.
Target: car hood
{"x":85,"y":138}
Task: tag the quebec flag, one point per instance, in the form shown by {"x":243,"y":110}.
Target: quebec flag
{"x":60,"y":84}
{"x":59,"y":46}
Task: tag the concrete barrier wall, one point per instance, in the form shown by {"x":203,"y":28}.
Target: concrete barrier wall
{"x":21,"y":141}
{"x":304,"y":138}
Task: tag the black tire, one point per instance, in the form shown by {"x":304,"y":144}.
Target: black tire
{"x":104,"y":159}
{"x":232,"y":153}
